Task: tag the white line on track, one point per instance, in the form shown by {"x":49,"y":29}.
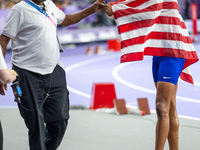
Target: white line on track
{"x":86,"y":62}
{"x":196,"y":83}
{"x":116,"y":76}
{"x":153,"y":111}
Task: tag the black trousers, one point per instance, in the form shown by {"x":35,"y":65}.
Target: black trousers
{"x":46,"y":120}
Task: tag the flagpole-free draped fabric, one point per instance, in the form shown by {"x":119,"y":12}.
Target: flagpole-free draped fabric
{"x":153,"y":27}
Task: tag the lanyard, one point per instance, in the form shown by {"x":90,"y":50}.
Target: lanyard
{"x":41,"y":10}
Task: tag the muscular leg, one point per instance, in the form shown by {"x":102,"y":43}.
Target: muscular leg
{"x":165,"y":92}
{"x":174,"y":124}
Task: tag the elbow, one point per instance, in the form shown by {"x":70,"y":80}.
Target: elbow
{"x":65,"y":24}
{"x":70,"y":19}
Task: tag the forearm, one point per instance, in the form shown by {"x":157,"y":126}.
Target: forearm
{"x":77,"y":17}
{"x":3,"y":43}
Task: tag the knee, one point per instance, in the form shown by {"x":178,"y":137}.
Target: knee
{"x":162,"y":109}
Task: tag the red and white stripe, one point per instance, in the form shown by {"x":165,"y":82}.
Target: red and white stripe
{"x":186,"y":75}
{"x":153,"y":27}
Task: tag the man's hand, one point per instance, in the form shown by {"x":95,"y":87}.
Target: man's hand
{"x":3,"y":87}
{"x":109,"y":11}
{"x":99,"y":5}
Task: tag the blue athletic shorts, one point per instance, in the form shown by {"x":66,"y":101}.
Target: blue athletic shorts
{"x":167,"y":69}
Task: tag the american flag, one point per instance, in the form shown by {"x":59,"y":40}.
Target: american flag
{"x":153,"y":27}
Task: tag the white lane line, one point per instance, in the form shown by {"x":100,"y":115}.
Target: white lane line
{"x":78,"y":92}
{"x":130,"y":105}
{"x":196,"y":83}
{"x":86,"y":62}
{"x":116,"y":76}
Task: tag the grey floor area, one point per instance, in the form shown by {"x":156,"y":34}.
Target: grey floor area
{"x":91,"y":130}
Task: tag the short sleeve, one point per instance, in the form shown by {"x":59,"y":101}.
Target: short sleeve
{"x":59,"y":14}
{"x":12,"y":24}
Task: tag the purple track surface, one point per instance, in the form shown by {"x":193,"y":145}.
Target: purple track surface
{"x":132,"y":80}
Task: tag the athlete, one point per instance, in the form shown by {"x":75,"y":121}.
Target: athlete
{"x":135,"y":19}
{"x":166,"y":71}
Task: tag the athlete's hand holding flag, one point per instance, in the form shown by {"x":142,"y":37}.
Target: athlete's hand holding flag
{"x":109,"y":11}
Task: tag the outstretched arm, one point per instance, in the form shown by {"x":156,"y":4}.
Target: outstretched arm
{"x":76,"y":17}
